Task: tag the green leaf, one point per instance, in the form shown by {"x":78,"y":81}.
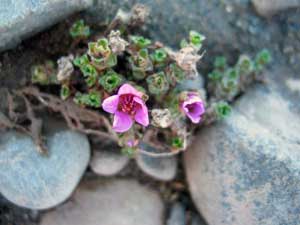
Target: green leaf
{"x":177,"y":142}
{"x":101,"y":47}
{"x":110,"y":81}
{"x":158,"y":83}
{"x":220,"y":63}
{"x":245,"y":65}
{"x":92,"y":99}
{"x":262,"y":59}
{"x":81,"y":61}
{"x":89,"y":70}
{"x":112,"y":60}
{"x":215,"y":75}
{"x":128,"y":151}
{"x":39,"y":75}
{"x":232,"y":74}
{"x":176,"y":73}
{"x":80,"y":30}
{"x":196,"y":39}
{"x":183,"y":43}
{"x":159,"y":55}
{"x":222,"y":109}
{"x":64,"y":92}
{"x":140,"y":41}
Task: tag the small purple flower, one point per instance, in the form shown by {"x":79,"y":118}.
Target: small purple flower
{"x":127,"y":107}
{"x":193,"y":107}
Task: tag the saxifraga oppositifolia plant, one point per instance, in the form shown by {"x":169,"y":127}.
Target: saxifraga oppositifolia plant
{"x":128,"y":88}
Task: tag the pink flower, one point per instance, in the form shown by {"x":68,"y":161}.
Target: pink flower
{"x":127,"y":107}
{"x":193,"y":107}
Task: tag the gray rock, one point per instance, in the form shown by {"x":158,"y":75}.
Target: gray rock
{"x":22,"y":18}
{"x":161,"y":168}
{"x":246,"y":169}
{"x":197,"y":220}
{"x":269,"y":7}
{"x":31,"y":180}
{"x":107,"y":163}
{"x":192,"y":84}
{"x":177,"y":215}
{"x":109,"y":202}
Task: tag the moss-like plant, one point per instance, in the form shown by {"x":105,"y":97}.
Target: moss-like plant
{"x":131,"y":90}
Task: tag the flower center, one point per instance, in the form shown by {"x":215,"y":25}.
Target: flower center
{"x":127,"y":104}
{"x":191,"y":108}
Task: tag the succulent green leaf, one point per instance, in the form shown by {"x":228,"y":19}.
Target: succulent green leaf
{"x":64,"y":92}
{"x":110,"y":81}
{"x":245,"y":65}
{"x":159,"y":55}
{"x":140,"y":41}
{"x":81,"y":61}
{"x":222,"y":109}
{"x":220,"y":63}
{"x":262,"y":59}
{"x":158,"y":83}
{"x":176,"y":73}
{"x":215,"y":75}
{"x":80,"y":30}
{"x":92,"y":99}
{"x":196,"y":39}
{"x":177,"y":142}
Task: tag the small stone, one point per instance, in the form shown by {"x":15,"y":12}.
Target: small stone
{"x":22,"y":18}
{"x":107,"y":163}
{"x":36,"y":181}
{"x":109,"y":202}
{"x":161,"y":168}
{"x":177,"y":215}
{"x":269,"y":7}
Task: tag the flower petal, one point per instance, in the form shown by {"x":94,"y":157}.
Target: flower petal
{"x":194,"y":111}
{"x":122,"y":122}
{"x":141,"y":115}
{"x":128,"y":89}
{"x":110,"y":104}
{"x":194,"y":119}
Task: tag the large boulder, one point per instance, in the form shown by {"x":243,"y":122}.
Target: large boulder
{"x":36,"y":181}
{"x":109,"y":202}
{"x":246,"y":169}
{"x":269,"y":7}
{"x":22,"y":18}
